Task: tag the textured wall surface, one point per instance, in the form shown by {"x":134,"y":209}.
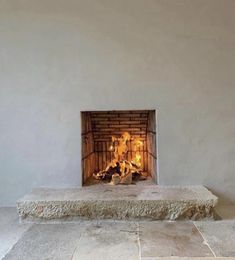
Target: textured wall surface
{"x":58,"y":57}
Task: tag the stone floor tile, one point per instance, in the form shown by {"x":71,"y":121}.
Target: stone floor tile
{"x":10,"y":229}
{"x":47,"y":241}
{"x":220,"y":235}
{"x":171,"y":239}
{"x":108,"y":240}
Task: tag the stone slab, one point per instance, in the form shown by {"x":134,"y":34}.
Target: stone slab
{"x":168,"y":239}
{"x":119,"y":202}
{"x":47,"y":241}
{"x":108,"y":240}
{"x":10,"y":229}
{"x":220,"y":235}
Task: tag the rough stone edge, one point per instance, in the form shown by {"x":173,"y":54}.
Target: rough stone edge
{"x":119,"y":209}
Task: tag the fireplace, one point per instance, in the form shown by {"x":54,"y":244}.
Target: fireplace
{"x":118,"y":146}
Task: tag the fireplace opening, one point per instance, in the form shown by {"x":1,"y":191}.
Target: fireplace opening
{"x":118,"y":147}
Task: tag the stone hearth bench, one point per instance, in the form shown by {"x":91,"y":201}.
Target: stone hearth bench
{"x":118,"y":202}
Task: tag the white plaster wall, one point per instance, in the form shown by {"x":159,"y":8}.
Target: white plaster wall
{"x":58,"y":57}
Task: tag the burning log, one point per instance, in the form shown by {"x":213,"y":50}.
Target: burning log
{"x":116,"y":179}
{"x":127,"y":171}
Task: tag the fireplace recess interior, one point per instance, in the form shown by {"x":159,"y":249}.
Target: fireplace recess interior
{"x":98,"y":129}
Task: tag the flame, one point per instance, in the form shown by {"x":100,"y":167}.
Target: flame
{"x":137,"y":159}
{"x":138,"y":143}
{"x":120,"y":148}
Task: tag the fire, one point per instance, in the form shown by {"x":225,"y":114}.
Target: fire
{"x":120,"y":170}
{"x":120,"y":146}
{"x":138,"y":143}
{"x":137,"y":159}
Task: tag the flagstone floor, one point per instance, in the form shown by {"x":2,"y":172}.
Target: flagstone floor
{"x":122,"y":240}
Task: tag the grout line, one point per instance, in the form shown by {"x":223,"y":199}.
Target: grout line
{"x":205,"y":241}
{"x":76,"y":247}
{"x":138,"y":239}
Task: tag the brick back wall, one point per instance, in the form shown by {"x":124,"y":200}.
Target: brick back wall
{"x":114,"y":123}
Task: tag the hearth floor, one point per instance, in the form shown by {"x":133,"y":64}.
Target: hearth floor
{"x":119,"y":202}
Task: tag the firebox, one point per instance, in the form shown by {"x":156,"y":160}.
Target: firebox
{"x":118,"y":146}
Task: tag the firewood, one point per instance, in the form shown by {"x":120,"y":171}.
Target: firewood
{"x":115,"y":179}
